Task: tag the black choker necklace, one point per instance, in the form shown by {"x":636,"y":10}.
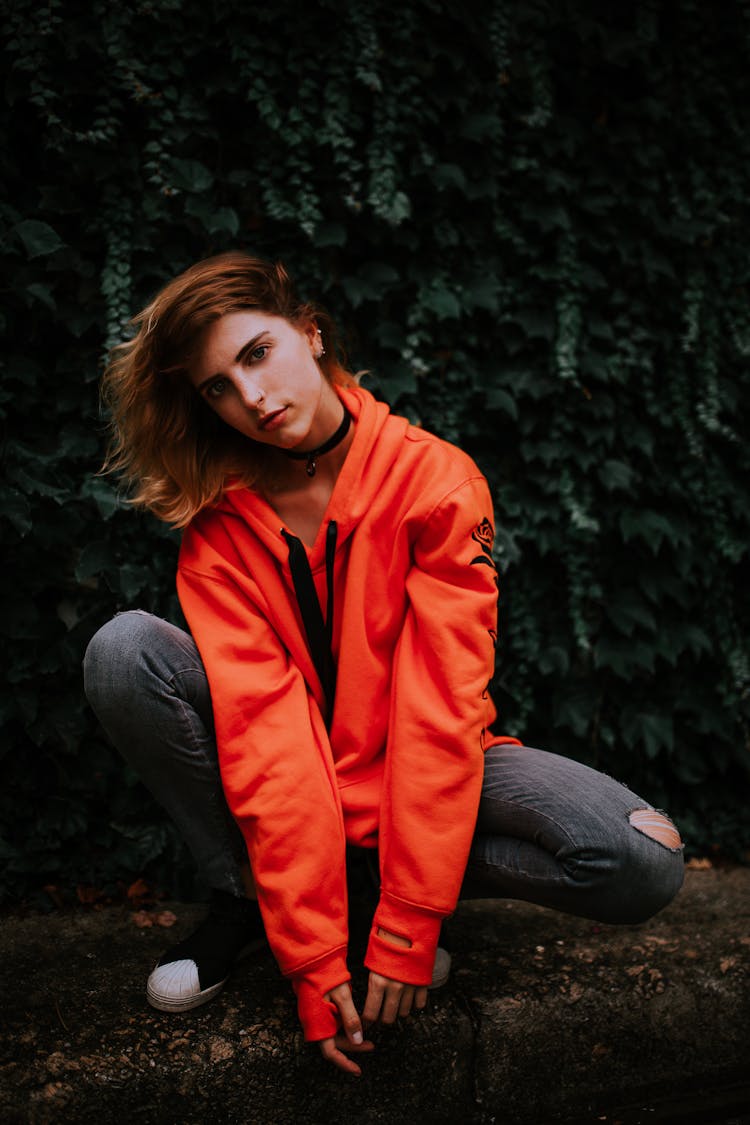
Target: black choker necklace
{"x":311,"y":456}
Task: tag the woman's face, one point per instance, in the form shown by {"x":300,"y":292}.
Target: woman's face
{"x":259,"y":373}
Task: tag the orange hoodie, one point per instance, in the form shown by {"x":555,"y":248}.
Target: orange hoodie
{"x":349,"y":690}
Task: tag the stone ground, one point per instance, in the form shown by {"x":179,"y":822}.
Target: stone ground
{"x":546,"y":1019}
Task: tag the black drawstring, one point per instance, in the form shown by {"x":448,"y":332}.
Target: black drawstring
{"x":331,"y":533}
{"x":319,"y":632}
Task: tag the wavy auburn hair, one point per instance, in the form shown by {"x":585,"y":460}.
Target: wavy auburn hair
{"x":176,"y":455}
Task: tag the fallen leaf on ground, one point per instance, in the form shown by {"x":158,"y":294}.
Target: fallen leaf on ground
{"x":166,"y":918}
{"x":87,"y":895}
{"x":142,"y":919}
{"x":139,"y":889}
{"x":54,"y":894}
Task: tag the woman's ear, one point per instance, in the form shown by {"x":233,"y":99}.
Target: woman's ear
{"x":312,"y":335}
{"x":315,"y":340}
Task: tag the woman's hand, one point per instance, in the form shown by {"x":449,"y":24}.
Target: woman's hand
{"x":388,"y":999}
{"x":350,"y":1038}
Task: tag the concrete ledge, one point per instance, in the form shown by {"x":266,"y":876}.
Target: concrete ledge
{"x":546,"y":1018}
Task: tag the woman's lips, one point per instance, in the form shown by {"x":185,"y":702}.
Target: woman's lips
{"x":272,"y":420}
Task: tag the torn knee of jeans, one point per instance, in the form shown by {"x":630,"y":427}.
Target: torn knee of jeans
{"x":659,"y":827}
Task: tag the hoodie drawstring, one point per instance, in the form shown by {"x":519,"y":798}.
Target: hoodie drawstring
{"x":319,"y":632}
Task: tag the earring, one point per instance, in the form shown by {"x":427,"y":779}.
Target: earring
{"x":321,"y":350}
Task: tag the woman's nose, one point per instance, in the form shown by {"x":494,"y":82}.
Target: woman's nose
{"x":250,"y":391}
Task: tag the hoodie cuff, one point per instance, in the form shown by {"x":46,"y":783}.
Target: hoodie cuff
{"x":320,"y":1017}
{"x":415,"y":964}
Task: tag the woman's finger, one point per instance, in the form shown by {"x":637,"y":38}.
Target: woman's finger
{"x":374,"y":1001}
{"x":350,"y":1021}
{"x":391,"y":1001}
{"x":407,"y":999}
{"x":420,"y":999}
{"x":345,"y":1044}
{"x":332,"y":1054}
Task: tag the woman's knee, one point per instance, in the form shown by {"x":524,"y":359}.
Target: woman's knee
{"x":652,"y":869}
{"x":115,"y":653}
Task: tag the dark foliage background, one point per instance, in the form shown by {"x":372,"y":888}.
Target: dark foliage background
{"x":531,"y":220}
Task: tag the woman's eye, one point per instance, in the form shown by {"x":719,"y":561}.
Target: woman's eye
{"x":259,"y":352}
{"x":217,"y":388}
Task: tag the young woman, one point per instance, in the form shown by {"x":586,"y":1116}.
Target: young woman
{"x":336,"y":573}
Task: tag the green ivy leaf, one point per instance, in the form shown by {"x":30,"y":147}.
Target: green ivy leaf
{"x":655,"y":730}
{"x":616,"y":475}
{"x":536,"y":323}
{"x":104,"y":495}
{"x":38,"y":238}
{"x":624,"y":658}
{"x":628,"y":611}
{"x":554,"y":660}
{"x":370,"y":282}
{"x":96,"y":558}
{"x":397,"y":384}
{"x":442,"y":302}
{"x":498,"y":399}
{"x":329,"y":234}
{"x":133,"y":579}
{"x":574,"y":706}
{"x":190,"y":175}
{"x":449,"y":176}
{"x":482,"y":293}
{"x":42,"y":293}
{"x":33,"y":486}
{"x":215,"y":220}
{"x":652,"y":527}
{"x":15,"y":507}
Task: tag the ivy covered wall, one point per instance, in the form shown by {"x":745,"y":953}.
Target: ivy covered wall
{"x":531,"y":220}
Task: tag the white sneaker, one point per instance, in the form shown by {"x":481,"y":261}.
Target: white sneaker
{"x":441,"y":970}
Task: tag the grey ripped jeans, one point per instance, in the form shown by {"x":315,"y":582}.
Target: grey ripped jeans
{"x":549,"y":831}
